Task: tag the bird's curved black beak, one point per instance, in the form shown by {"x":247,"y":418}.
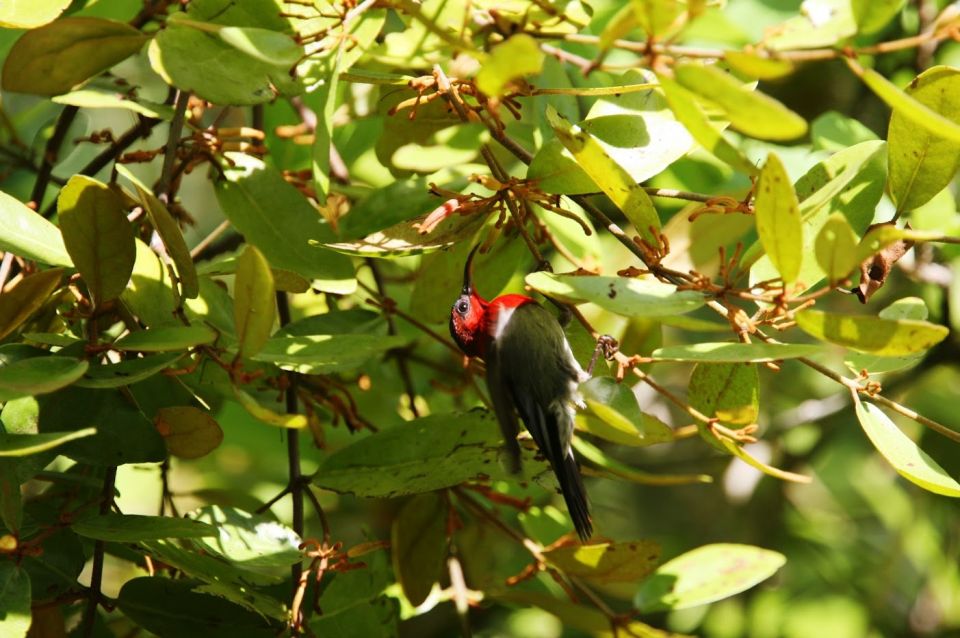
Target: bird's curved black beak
{"x":468,"y":273}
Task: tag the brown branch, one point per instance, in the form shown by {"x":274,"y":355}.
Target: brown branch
{"x":96,"y":573}
{"x":50,"y":153}
{"x":402,"y":365}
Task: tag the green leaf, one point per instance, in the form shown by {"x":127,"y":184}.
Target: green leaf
{"x":583,"y":618}
{"x":923,"y":161}
{"x":11,"y":499}
{"x":778,"y":219}
{"x":406,"y":238}
{"x":268,"y":46}
{"x":193,"y":59}
{"x":917,"y":113}
{"x":39,"y":375}
{"x":758,"y":66}
{"x":172,"y":238}
{"x":268,"y":416}
{"x":728,"y":391}
{"x":18,"y":304}
{"x":97,"y":235}
{"x":57,"y":57}
{"x":659,"y":18}
{"x":419,"y":456}
{"x":26,"y":444}
{"x":617,"y":407}
{"x":29,"y":15}
{"x":254,"y":299}
{"x":604,"y":563}
{"x":621,"y":295}
{"x":518,"y":56}
{"x":126,"y":372}
{"x":834,"y":132}
{"x":635,"y":128}
{"x":418,"y":544}
{"x":149,"y":294}
{"x":254,"y":542}
{"x":906,"y":308}
{"x":15,"y":616}
{"x":688,"y":111}
{"x":325,"y":354}
{"x":278,"y":220}
{"x":836,"y":246}
{"x":96,"y":97}
{"x":882,"y":235}
{"x":705,"y":575}
{"x":872,"y":15}
{"x":825,"y":24}
{"x":168,"y":607}
{"x":609,"y":176}
{"x":25,"y":233}
{"x":904,"y":455}
{"x":165,"y":339}
{"x":887,"y":337}
{"x":736,"y":352}
{"x":132,"y":528}
{"x":188,"y":432}
{"x":749,"y":111}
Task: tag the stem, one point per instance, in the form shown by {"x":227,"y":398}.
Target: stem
{"x":96,"y":574}
{"x":162,"y":189}
{"x":293,"y":444}
{"x":50,"y":153}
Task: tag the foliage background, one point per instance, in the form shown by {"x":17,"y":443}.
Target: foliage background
{"x":867,"y":552}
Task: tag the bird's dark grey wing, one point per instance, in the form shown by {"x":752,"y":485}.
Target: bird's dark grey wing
{"x":504,"y":408}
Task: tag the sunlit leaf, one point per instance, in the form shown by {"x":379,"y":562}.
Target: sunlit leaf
{"x":615,"y":405}
{"x":923,"y":161}
{"x":323,"y":354}
{"x":778,"y":219}
{"x":758,"y":66}
{"x":706,"y":574}
{"x":254,"y":542}
{"x":614,"y":562}
{"x":255,"y":305}
{"x":25,"y":233}
{"x":29,"y":15}
{"x":903,"y":454}
{"x":872,"y":15}
{"x":735,"y":352}
{"x":15,"y":598}
{"x":609,"y":176}
{"x":836,"y":248}
{"x":887,"y":337}
{"x":518,"y":56}
{"x":728,"y":391}
{"x":126,"y":372}
{"x":624,"y":296}
{"x":749,"y":111}
{"x":617,"y":470}
{"x":268,"y":416}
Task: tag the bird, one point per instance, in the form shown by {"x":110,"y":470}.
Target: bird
{"x":531,"y":371}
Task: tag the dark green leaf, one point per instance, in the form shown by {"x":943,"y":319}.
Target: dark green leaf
{"x":132,"y":528}
{"x":188,"y":432}
{"x":55,"y":58}
{"x":39,"y":375}
{"x":418,"y":544}
{"x":17,"y":304}
{"x":165,"y":339}
{"x":126,"y":372}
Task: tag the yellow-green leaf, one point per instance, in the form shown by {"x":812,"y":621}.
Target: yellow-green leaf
{"x":615,"y":182}
{"x":622,"y":295}
{"x":882,"y":235}
{"x":904,"y":455}
{"x":268,"y":416}
{"x":758,"y":66}
{"x":887,"y":337}
{"x":25,"y":233}
{"x":749,"y":111}
{"x":706,"y":574}
{"x":614,"y":562}
{"x":922,"y":161}
{"x":418,"y":544}
{"x":723,"y":352}
{"x":729,"y":392}
{"x":908,"y":107}
{"x":17,"y":304}
{"x":520,"y":55}
{"x":173,"y":240}
{"x":835,"y":248}
{"x":660,"y":18}
{"x":688,"y":112}
{"x":778,"y":219}
{"x":57,"y":57}
{"x":97,"y":235}
{"x":165,"y":339}
{"x":30,"y":14}
{"x":254,"y":301}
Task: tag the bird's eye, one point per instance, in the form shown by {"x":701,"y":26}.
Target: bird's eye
{"x":462,"y":307}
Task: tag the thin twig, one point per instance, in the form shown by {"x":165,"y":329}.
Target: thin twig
{"x":50,"y":153}
{"x":96,"y":573}
{"x":400,"y":356}
{"x":162,"y":189}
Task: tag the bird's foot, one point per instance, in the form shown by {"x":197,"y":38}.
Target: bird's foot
{"x":606,"y":345}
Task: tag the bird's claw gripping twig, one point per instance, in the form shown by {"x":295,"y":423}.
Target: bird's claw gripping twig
{"x":608,"y":346}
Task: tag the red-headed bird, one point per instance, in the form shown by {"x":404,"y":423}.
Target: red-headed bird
{"x":531,"y":371}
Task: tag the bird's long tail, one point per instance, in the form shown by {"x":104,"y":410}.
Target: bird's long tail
{"x":574,"y":494}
